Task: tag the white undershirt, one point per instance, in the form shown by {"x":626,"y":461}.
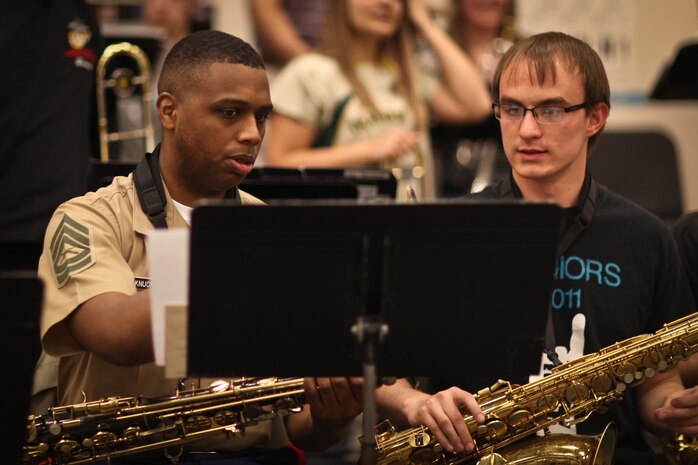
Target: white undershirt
{"x":184,"y":211}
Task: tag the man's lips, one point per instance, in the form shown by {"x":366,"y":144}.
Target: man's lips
{"x":241,"y":164}
{"x":530,"y":152}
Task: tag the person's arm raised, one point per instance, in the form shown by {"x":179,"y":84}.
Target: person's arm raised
{"x":277,"y":31}
{"x":463,"y":96}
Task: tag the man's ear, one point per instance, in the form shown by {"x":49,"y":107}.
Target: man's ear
{"x":598,"y":114}
{"x":167,"y":106}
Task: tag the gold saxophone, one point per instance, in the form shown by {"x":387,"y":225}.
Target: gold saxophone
{"x":681,"y":449}
{"x":569,"y":395}
{"x":118,"y":426}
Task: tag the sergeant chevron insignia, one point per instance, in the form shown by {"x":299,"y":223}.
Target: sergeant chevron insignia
{"x":71,"y":250}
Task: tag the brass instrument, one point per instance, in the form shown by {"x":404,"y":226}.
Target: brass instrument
{"x":118,"y":426}
{"x":416,"y":172}
{"x":681,"y":450}
{"x":123,"y":81}
{"x":569,"y":395}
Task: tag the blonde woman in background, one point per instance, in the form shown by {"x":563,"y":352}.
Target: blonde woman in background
{"x":361,"y":101}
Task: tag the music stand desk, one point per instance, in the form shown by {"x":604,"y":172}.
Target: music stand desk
{"x":275,"y":290}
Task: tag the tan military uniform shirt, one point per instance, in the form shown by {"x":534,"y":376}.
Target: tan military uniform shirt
{"x":96,"y":244}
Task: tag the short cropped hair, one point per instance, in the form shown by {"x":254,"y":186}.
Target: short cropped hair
{"x":204,"y":48}
{"x":540,"y":51}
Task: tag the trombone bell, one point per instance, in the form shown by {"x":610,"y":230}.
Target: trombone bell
{"x":123,"y":82}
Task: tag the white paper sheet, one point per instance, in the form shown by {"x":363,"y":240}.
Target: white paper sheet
{"x":168,"y":259}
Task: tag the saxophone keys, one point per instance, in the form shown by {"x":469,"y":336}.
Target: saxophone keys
{"x":547,"y":403}
{"x":419,"y":439}
{"x":679,"y":350}
{"x":67,"y":446}
{"x":627,"y":371}
{"x":197,"y":423}
{"x":219,"y":385}
{"x":495,"y":429}
{"x":519,"y":419}
{"x":492,"y":459}
{"x":132,"y":435}
{"x":601,"y":383}
{"x":101,"y":440}
{"x":226,"y":417}
{"x":54,"y":428}
{"x":577,"y":393}
{"x":653,"y":359}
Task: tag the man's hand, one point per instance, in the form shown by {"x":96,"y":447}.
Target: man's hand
{"x":441,"y":413}
{"x":334,"y":402}
{"x":680,"y":412}
{"x":333,"y":405}
{"x":393,"y":145}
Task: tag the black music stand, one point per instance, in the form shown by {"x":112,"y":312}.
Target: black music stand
{"x":19,"y":319}
{"x":271,"y":184}
{"x":276,"y":290}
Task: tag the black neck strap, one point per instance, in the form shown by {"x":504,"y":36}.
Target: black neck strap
{"x":151,"y":192}
{"x":582,"y":220}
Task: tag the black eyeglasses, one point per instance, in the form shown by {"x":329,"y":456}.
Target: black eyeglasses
{"x":512,"y":113}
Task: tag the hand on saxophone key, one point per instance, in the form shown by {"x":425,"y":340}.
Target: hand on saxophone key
{"x":443,"y":413}
{"x":334,"y":402}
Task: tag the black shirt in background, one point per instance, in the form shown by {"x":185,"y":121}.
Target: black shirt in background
{"x":48,"y":122}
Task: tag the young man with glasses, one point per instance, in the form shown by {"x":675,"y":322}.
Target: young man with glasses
{"x":618,"y":273}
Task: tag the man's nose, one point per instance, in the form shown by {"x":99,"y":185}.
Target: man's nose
{"x":250,"y":132}
{"x":529,"y":126}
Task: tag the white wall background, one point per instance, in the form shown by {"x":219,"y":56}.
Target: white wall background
{"x":633,"y":37}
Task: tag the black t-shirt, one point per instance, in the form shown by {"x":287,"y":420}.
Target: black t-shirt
{"x":621,"y":277}
{"x":48,"y":123}
{"x":685,"y":231}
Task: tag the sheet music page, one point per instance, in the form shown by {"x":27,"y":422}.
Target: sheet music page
{"x":168,"y":260}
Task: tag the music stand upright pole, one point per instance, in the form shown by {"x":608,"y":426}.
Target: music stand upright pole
{"x":369,"y":332}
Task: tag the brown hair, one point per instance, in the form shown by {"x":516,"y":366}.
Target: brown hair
{"x":336,"y":43}
{"x":539,"y":52}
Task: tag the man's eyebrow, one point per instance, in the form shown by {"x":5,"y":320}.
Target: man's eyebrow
{"x":232,"y":101}
{"x":242,"y":103}
{"x":547,"y":101}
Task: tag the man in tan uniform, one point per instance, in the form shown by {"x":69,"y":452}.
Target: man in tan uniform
{"x":213,"y":105}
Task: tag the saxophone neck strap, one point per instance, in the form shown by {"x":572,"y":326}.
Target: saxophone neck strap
{"x":151,"y":191}
{"x":582,"y":220}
